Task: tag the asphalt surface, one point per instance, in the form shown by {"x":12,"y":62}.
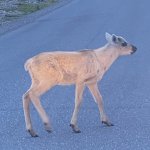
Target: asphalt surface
{"x":125,"y":87}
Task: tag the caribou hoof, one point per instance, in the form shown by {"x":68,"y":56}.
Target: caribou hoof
{"x":32,"y":133}
{"x":47,"y":127}
{"x":109,"y":124}
{"x":75,"y":128}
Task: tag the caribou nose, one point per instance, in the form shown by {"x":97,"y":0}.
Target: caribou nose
{"x":134,"y":49}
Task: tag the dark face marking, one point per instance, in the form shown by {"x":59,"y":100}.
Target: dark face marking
{"x":120,"y":40}
{"x":134,"y":49}
{"x":124,"y":44}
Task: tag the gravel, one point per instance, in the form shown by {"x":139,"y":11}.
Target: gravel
{"x":12,"y":25}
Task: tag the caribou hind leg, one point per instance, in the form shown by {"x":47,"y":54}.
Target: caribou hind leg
{"x":33,"y":95}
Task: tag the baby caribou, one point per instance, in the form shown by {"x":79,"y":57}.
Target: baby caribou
{"x":82,"y":68}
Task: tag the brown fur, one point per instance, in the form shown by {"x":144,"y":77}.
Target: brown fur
{"x":83,"y":68}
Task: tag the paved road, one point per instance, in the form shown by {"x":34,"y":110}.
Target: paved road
{"x":125,"y":88}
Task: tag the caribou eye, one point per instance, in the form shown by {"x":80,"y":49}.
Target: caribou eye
{"x":124,"y":44}
{"x":119,"y":39}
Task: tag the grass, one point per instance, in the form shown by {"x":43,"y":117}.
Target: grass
{"x":29,"y":8}
{"x":26,"y":8}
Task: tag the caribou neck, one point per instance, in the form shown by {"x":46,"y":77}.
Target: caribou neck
{"x":107,"y":55}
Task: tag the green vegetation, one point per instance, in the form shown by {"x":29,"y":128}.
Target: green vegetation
{"x":29,"y":8}
{"x":15,"y":10}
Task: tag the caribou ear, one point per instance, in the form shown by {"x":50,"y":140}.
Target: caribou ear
{"x":108,"y":37}
{"x":114,"y":38}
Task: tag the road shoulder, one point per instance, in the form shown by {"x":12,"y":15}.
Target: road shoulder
{"x":31,"y":17}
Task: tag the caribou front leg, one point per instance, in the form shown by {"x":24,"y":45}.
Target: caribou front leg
{"x":98,"y":98}
{"x":78,"y":100}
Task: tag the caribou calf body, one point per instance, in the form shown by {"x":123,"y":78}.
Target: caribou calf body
{"x":82,"y":68}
